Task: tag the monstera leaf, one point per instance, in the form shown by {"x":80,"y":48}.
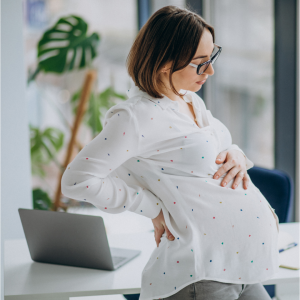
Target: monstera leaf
{"x":41,"y":200}
{"x":66,"y":46}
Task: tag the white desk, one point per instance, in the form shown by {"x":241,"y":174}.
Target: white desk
{"x":28,"y":280}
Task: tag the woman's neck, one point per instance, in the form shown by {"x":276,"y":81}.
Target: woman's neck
{"x":169,"y":93}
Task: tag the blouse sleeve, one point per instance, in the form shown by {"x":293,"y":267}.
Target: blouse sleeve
{"x":249,"y":163}
{"x":88,"y":177}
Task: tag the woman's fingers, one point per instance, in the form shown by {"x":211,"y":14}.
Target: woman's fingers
{"x":246,"y":181}
{"x":238,"y":175}
{"x":158,"y":234}
{"x":169,"y":234}
{"x":238,"y":178}
{"x":160,"y":227}
{"x":231,"y":174}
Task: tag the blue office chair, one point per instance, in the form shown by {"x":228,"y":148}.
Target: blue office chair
{"x":277,"y":188}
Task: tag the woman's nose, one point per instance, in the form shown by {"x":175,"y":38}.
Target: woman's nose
{"x":210,"y":70}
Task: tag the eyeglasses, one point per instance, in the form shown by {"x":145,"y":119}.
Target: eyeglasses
{"x":202,"y":67}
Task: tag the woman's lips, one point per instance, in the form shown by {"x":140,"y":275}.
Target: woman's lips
{"x":201,"y":82}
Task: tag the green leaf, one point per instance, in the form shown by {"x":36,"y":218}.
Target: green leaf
{"x":59,"y":45}
{"x":54,"y":136}
{"x":119,"y":95}
{"x":44,"y":145}
{"x":75,"y":101}
{"x":92,"y":117}
{"x":41,"y":200}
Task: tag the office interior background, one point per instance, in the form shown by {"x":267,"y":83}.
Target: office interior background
{"x":254,"y":91}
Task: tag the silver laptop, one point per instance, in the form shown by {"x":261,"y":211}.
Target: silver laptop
{"x":71,"y":239}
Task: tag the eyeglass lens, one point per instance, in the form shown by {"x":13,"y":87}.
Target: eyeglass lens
{"x":204,"y":67}
{"x":216,"y":49}
{"x":215,"y":58}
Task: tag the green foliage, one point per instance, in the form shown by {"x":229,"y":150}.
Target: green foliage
{"x":41,"y":200}
{"x":59,"y":50}
{"x":59,"y":46}
{"x":95,"y":103}
{"x":44,"y":145}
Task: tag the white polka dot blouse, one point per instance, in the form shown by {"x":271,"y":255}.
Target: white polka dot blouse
{"x":151,"y":157}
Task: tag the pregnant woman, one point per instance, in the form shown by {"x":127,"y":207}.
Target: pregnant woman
{"x":156,"y":156}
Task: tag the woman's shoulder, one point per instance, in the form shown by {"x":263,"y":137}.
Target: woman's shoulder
{"x":134,"y":106}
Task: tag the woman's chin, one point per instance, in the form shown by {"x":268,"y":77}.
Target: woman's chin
{"x":197,"y":87}
{"x":194,"y":88}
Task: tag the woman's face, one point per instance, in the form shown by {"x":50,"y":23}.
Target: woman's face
{"x":187,"y":78}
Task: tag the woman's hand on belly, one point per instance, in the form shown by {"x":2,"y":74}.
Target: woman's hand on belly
{"x":235,"y":165}
{"x":160,"y":227}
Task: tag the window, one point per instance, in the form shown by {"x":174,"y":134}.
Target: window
{"x":241,"y":91}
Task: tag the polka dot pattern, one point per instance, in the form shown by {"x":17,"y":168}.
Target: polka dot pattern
{"x":151,"y":157}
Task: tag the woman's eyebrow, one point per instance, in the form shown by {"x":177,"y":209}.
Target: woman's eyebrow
{"x":200,"y":57}
{"x":204,"y":55}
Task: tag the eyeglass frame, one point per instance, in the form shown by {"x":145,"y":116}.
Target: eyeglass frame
{"x":212,"y":60}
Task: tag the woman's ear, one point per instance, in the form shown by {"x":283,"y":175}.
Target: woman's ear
{"x":166,"y":67}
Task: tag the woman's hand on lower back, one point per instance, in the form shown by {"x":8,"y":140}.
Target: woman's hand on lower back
{"x":160,"y":227}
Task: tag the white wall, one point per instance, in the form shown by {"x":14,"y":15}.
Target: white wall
{"x":15,"y":150}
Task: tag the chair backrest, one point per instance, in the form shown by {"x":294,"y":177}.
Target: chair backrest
{"x":277,"y":188}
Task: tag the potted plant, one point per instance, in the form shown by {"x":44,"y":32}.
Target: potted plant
{"x":57,"y":53}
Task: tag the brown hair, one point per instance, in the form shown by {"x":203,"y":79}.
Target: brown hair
{"x":170,"y":34}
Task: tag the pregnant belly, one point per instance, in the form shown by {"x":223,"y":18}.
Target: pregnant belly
{"x":233,"y":231}
{"x":233,"y":225}
{"x":219,"y":210}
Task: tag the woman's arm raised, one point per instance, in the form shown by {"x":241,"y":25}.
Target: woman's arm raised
{"x":88,"y":177}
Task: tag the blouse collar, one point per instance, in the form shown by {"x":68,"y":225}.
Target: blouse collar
{"x":164,"y":102}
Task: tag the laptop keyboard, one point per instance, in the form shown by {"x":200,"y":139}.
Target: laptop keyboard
{"x":117,"y":259}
